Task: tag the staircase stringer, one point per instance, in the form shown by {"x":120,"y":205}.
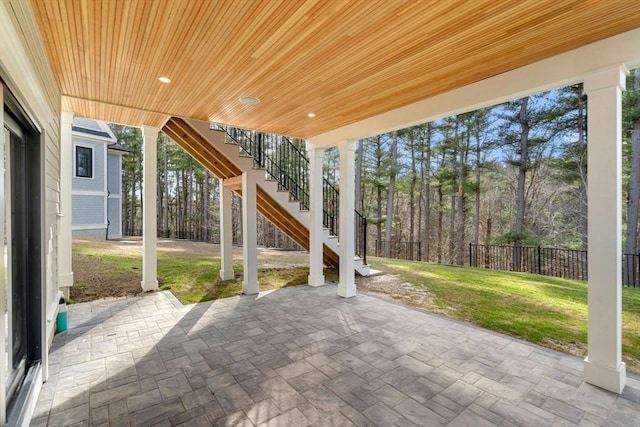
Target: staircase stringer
{"x":215,"y":155}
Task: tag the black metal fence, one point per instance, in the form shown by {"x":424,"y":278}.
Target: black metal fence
{"x":411,"y":251}
{"x":565,"y":263}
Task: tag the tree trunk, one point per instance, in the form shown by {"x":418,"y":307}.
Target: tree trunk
{"x":476,"y":216}
{"x":159,"y":196}
{"x":427,"y":194}
{"x":522,"y":171}
{"x":487,"y":240}
{"x":379,"y":209}
{"x":440,"y":219}
{"x":391,"y":193}
{"x":179,"y":205}
{"x":460,"y":221}
{"x":412,"y":189}
{"x":520,"y":190}
{"x":358,"y":182}
{"x":633,"y":204}
{"x":582,"y":169}
{"x":190,"y":208}
{"x":452,"y":229}
{"x":205,"y":208}
{"x":132,"y":209}
{"x":165,"y":174}
{"x":239,"y":217}
{"x":378,"y":194}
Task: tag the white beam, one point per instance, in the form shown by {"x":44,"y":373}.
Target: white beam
{"x":603,"y":365}
{"x":149,"y":210}
{"x":65,"y":268}
{"x":316,"y":276}
{"x":226,"y":234}
{"x":249,"y":234}
{"x":557,"y":71}
{"x":347,"y":284}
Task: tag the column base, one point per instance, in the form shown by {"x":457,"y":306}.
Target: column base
{"x":250,"y":288}
{"x":604,"y":377}
{"x":149,"y":286}
{"x":347,"y":291}
{"x":226,"y":274}
{"x":316,"y":280}
{"x":65,"y":280}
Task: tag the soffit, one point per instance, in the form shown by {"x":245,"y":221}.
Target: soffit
{"x":344,"y":60}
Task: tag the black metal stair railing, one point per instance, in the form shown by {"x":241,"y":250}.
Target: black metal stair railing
{"x":361,"y":236}
{"x":284,"y":162}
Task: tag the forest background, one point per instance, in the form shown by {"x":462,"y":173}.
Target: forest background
{"x":514,"y":173}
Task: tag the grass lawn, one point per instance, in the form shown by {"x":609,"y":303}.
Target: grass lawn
{"x":539,"y":309}
{"x":189,"y":269}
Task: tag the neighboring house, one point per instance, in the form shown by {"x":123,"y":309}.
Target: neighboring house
{"x":97,"y":181}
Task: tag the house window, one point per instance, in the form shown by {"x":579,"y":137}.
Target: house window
{"x":84,"y":162}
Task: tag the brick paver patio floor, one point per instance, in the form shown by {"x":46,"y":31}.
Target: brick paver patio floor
{"x":303,"y":356}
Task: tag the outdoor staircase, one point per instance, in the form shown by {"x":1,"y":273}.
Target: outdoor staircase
{"x":281,"y":197}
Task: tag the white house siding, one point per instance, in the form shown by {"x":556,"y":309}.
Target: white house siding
{"x":25,"y":70}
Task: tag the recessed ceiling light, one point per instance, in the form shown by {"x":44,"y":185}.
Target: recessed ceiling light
{"x":249,"y":100}
{"x":312,"y":115}
{"x":164,"y":79}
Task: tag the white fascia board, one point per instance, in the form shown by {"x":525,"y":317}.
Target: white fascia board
{"x":558,"y":71}
{"x":111,"y":151}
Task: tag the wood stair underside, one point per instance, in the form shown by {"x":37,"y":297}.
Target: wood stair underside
{"x":221,"y":166}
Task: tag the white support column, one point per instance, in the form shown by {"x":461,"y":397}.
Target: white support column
{"x":149,"y":210}
{"x":65,"y":268}
{"x":603,"y":366}
{"x":316,"y":276}
{"x":249,"y":235}
{"x":347,"y":285}
{"x":226,"y":234}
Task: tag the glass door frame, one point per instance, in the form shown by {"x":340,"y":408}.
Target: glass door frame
{"x":15,"y":375}
{"x":25,"y":382}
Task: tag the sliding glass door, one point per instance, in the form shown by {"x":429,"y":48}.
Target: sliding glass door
{"x":15,"y":254}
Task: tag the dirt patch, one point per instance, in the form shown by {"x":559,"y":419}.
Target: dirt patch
{"x":391,"y":286}
{"x":269,"y":258}
{"x":93,"y":279}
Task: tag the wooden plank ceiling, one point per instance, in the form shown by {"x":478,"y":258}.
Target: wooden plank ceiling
{"x":344,"y":60}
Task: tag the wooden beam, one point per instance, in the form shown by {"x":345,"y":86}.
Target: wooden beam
{"x":234,"y":183}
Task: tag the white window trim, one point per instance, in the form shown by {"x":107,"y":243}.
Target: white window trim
{"x":93,"y":161}
{"x":90,"y":226}
{"x":89,"y":193}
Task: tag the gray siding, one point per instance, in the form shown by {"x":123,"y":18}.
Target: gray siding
{"x":88,"y":210}
{"x":114,"y":215}
{"x":114,"y":173}
{"x":91,"y":234}
{"x":97,"y":182}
